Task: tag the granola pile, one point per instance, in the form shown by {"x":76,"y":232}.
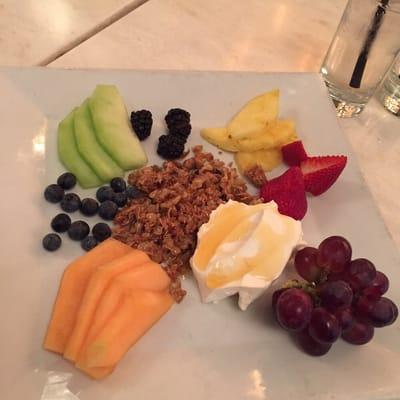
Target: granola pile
{"x":177,"y":199}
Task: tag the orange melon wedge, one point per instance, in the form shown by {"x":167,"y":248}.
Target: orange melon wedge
{"x":97,"y":285}
{"x":147,"y":276}
{"x":72,"y":288}
{"x":138,"y":311}
{"x":97,"y":373}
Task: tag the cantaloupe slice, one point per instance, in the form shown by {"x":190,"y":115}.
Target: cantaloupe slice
{"x":99,"y":281}
{"x":97,"y":373}
{"x":147,"y":276}
{"x":72,"y":288}
{"x":138,"y":311}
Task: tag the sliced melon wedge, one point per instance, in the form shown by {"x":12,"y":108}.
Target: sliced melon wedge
{"x":89,"y":148}
{"x":113,"y":130}
{"x":69,"y":154}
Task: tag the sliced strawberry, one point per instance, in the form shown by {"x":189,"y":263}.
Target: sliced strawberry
{"x":288,"y":192}
{"x":320,"y":173}
{"x":294,"y":153}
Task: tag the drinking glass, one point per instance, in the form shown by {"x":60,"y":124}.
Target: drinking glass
{"x":389,"y":91}
{"x":363,"y":48}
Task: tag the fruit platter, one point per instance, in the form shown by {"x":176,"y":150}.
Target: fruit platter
{"x":189,"y":235}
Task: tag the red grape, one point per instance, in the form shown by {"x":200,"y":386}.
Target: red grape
{"x":360,"y":273}
{"x":335,"y":295}
{"x":383,"y":312}
{"x":310,"y":346}
{"x":293,"y":309}
{"x":324,"y":327}
{"x":345,"y":317}
{"x":334,"y":253}
{"x":343,"y":298}
{"x":372,"y":293}
{"x":360,"y":332}
{"x":306,"y":265}
{"x":275,"y":297}
{"x":363,"y":306}
{"x":378,"y":286}
{"x":336,"y":276}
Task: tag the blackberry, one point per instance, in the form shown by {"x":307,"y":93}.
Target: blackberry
{"x":141,"y":122}
{"x":178,"y":122}
{"x":170,"y":147}
{"x":182,"y":130}
{"x":177,"y":116}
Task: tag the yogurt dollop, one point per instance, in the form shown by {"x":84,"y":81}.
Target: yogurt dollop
{"x":243,"y":249}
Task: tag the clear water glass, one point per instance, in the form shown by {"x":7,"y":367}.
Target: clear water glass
{"x":389,"y":91}
{"x":363,"y":48}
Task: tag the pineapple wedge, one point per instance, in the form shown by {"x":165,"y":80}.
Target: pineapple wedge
{"x":219,"y":137}
{"x":266,"y":159}
{"x":253,"y":117}
{"x":275,"y":135}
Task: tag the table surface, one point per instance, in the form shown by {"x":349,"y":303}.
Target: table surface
{"x":252,"y":35}
{"x":34,"y":32}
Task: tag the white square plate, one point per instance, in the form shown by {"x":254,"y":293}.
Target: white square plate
{"x":196,"y":351}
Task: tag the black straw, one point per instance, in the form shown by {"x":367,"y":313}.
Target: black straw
{"x":359,"y":68}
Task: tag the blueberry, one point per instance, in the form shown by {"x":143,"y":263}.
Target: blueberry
{"x":101,"y":231}
{"x":70,"y":202}
{"x":78,"y":230}
{"x":89,"y":207}
{"x":89,"y":243}
{"x":134,"y":193}
{"x":107,"y":210}
{"x":118,"y":185}
{"x":61,"y":222}
{"x":104,"y":193}
{"x":67,"y":180}
{"x":51,"y":242}
{"x":120,"y":199}
{"x":54,"y":193}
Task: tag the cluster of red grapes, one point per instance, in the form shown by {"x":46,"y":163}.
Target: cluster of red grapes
{"x":342,"y":297}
